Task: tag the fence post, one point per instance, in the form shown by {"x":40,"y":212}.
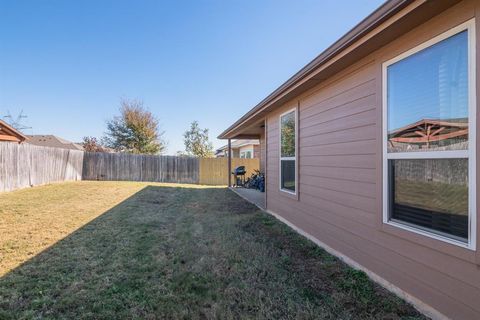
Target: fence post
{"x":229,"y":163}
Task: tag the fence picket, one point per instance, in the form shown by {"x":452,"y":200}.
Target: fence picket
{"x":24,"y":165}
{"x":134,"y":167}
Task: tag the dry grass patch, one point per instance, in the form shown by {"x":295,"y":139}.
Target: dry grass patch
{"x":153,"y":251}
{"x":33,"y":219}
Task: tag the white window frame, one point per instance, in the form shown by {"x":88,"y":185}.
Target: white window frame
{"x":469,"y":154}
{"x":244,"y":152}
{"x":280,"y":158}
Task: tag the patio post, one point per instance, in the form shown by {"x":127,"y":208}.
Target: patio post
{"x":229,"y":166}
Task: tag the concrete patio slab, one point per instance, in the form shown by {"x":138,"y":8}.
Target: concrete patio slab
{"x":251,"y":195}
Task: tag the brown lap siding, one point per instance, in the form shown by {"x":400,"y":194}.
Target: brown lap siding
{"x":340,"y":179}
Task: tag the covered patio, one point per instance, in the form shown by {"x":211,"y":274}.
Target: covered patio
{"x":253,"y":131}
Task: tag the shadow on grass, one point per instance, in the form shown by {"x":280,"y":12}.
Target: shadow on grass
{"x":169,"y":252}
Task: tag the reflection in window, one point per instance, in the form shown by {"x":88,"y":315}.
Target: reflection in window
{"x":287,"y":152}
{"x":428,"y":98}
{"x":427,"y":109}
{"x":288,"y":135}
{"x":431,"y":194}
{"x":288,"y":175}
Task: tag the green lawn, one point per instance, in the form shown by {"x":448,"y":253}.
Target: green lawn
{"x":121,"y":250}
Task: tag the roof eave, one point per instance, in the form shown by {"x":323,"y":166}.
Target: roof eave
{"x":374,"y":20}
{"x":14,"y":131}
{"x":371,"y":21}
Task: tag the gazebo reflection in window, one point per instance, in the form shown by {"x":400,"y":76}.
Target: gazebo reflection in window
{"x":430,"y":135}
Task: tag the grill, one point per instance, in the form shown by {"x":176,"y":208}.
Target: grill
{"x":239,"y":171}
{"x":239,"y":174}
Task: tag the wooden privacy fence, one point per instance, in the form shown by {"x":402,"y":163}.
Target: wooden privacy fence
{"x":132,"y":167}
{"x":214,"y":171}
{"x":24,"y":165}
{"x":451,"y":171}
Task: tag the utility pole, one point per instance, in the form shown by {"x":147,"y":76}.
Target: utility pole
{"x":17,"y":122}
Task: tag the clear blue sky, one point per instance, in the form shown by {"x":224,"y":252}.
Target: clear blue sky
{"x":68,"y":63}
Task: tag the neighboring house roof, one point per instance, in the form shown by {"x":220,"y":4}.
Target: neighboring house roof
{"x":9,"y":133}
{"x":389,"y":21}
{"x":53,"y":142}
{"x":239,"y":143}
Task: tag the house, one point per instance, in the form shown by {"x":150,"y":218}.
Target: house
{"x":53,"y":142}
{"x":241,"y":149}
{"x":10,"y":134}
{"x":370,"y":150}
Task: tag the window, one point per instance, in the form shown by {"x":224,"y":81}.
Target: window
{"x":246,"y":154}
{"x":288,"y":151}
{"x":429,"y":138}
